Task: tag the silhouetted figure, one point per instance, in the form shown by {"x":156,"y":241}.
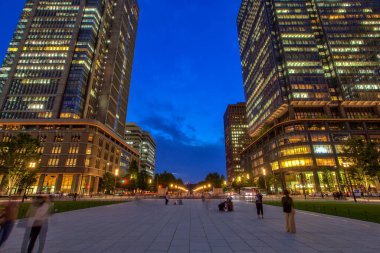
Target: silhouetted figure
{"x":259,"y":204}
{"x":288,"y":208}
{"x":38,"y":215}
{"x":166,"y":199}
{"x":8,"y":217}
{"x":226,"y":206}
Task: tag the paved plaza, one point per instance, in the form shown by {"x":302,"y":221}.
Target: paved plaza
{"x":150,"y":226}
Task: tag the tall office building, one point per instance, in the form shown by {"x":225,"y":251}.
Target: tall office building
{"x":236,"y":138}
{"x":69,"y":67}
{"x":144,"y":143}
{"x":311,"y":72}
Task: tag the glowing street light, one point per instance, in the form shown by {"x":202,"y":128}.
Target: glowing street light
{"x":116,"y":174}
{"x":265,"y":181}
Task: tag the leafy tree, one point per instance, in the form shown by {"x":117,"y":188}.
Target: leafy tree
{"x":28,"y":179}
{"x":363,"y":158}
{"x":326,"y":178}
{"x":166,"y":178}
{"x":215,"y":179}
{"x":18,"y":156}
{"x":108,"y":182}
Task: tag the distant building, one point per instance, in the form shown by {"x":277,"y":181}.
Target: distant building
{"x":65,"y":80}
{"x":144,"y":143}
{"x":235,"y":137}
{"x":311,"y":73}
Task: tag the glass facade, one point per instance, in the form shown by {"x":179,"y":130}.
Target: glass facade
{"x":311,"y":71}
{"x":71,"y":59}
{"x":236,"y":138}
{"x":69,"y":63}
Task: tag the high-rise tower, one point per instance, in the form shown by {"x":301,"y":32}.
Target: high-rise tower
{"x":70,"y":63}
{"x":235,"y":137}
{"x":71,"y":59}
{"x":311,"y":72}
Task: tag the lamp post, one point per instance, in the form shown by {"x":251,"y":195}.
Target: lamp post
{"x":265,"y":181}
{"x":116,"y":174}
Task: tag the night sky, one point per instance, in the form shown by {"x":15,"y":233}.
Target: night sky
{"x":186,"y":70}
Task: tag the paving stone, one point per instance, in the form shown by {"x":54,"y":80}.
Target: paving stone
{"x":149,"y":226}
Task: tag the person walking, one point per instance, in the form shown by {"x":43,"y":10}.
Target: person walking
{"x":8,"y":217}
{"x":259,"y":204}
{"x":38,"y":220}
{"x":166,"y":199}
{"x":288,"y":208}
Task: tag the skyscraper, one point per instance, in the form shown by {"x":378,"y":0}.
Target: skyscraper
{"x":311,"y":72}
{"x":144,"y":143}
{"x":235,"y":137}
{"x":70,"y":63}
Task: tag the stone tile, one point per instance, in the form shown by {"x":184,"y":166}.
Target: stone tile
{"x":197,"y":226}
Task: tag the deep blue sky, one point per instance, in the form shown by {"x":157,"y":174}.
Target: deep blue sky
{"x":186,"y":71}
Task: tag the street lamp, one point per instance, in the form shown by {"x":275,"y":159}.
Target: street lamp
{"x":116,"y":174}
{"x":265,"y":181}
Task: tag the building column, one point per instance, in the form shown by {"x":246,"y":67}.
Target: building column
{"x":327,"y":111}
{"x":76,"y":183}
{"x":377,"y":110}
{"x":292,"y":114}
{"x":87,"y":184}
{"x":342,"y":111}
{"x":317,"y":184}
{"x":58,"y":183}
{"x":96,"y":185}
{"x":41,"y":183}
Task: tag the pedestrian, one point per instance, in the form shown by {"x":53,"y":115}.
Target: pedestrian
{"x":38,"y":220}
{"x":259,"y":204}
{"x":167,"y":199}
{"x":8,"y":217}
{"x":288,"y":208}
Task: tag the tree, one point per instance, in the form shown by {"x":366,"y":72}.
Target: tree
{"x":18,"y":155}
{"x":166,"y":178}
{"x":215,"y":179}
{"x":108,"y":182}
{"x":327,"y":178}
{"x":28,"y":179}
{"x":362,"y":158}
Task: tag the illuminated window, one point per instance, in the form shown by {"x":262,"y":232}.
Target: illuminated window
{"x":70,"y":162}
{"x":319,"y":137}
{"x":322,"y":149}
{"x":275,"y":166}
{"x":296,"y":163}
{"x":74,"y":150}
{"x":56,"y":150}
{"x":325,"y":162}
{"x":295,"y":150}
{"x":53,"y":162}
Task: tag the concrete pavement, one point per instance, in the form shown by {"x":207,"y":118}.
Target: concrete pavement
{"x":150,"y":226}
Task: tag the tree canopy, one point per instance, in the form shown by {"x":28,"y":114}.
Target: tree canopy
{"x":362,"y":156}
{"x":19,"y":156}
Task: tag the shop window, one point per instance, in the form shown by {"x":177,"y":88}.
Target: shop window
{"x":319,"y":137}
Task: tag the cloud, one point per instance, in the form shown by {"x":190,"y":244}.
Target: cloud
{"x":191,"y":163}
{"x":169,"y":127}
